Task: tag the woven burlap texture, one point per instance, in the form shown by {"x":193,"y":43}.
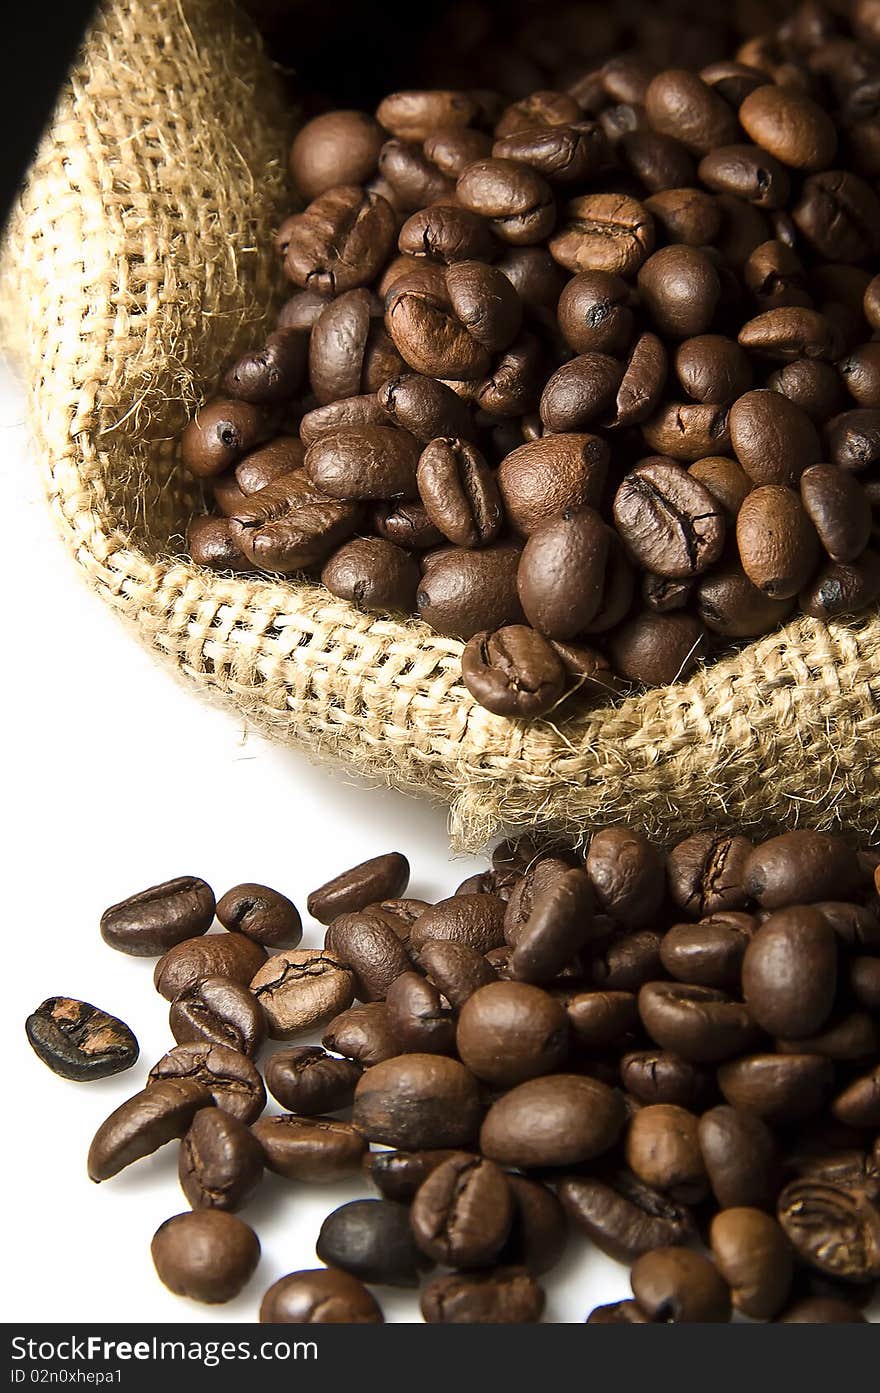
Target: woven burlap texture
{"x":133,"y":266}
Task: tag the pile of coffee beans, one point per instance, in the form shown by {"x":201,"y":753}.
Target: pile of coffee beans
{"x":674,"y":1056}
{"x":588,"y":379}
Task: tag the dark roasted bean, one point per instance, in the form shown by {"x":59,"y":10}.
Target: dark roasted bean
{"x":78,"y":1040}
{"x":149,"y":923}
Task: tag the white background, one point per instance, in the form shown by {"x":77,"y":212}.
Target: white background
{"x":117,"y":777}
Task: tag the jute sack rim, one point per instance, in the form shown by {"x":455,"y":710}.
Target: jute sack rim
{"x":130,"y":271}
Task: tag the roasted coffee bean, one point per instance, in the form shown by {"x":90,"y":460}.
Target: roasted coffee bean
{"x":218,"y":1011}
{"x":801,"y":867}
{"x":662,"y":594}
{"x":839,"y":510}
{"x":313,"y":1149}
{"x":656,"y":1076}
{"x":662,"y":1150}
{"x":580,"y":392}
{"x":418,"y":1101}
{"x":309,"y":1081}
{"x":539,"y":1231}
{"x":858,"y":1105}
{"x":372,"y":1240}
{"x":411,"y":178}
{"x":657,"y":160}
{"x":689,"y":216}
{"x":452,"y":149}
{"x":812,"y":385}
{"x":773,"y":439}
{"x":705,"y":873}
{"x":563,"y":154}
{"x":688,"y":431}
{"x":563,"y":570}
{"x":477,"y":921}
{"x":152,"y":921}
{"x":446,"y":232}
{"x":627,"y":962}
{"x":864,"y":978}
{"x":676,"y":1285}
{"x":512,"y":671}
{"x":459,"y":493}
{"x":627,"y":875}
{"x":680,"y":104}
{"x":500,"y":1296}
{"x":271,"y":375}
{"x":373,"y":575}
{"x":679,"y":288}
{"x":337,"y":147}
{"x":158,"y":1114}
{"x":510,"y":1031}
{"x":790,"y":126}
{"x":206,"y":1254}
{"x":262,"y":914}
{"x":778,"y":1088}
{"x":457,"y":969}
{"x":300,"y":989}
{"x":539,"y":873}
{"x":407,"y":525}
{"x":747,"y":171}
{"x":670,"y":522}
{"x":515,"y":198}
{"x":79,"y":1041}
{"x":789,"y":974}
{"x":325,"y":1296}
{"x":209,"y":543}
{"x":336,"y":415}
{"x":368,"y":945}
{"x":363,"y":1034}
{"x":839,"y":589}
{"x":656,"y":648}
{"x":710,"y":953}
{"x":548,"y":109}
{"x":226,"y":1074}
{"x":414,"y":115}
{"x":463,"y":591}
{"x":726,"y":480}
{"x":854,"y":438}
{"x":364,"y":462}
{"x":739,"y":1154}
{"x":428,"y":409}
{"x":626,"y":1217}
{"x":790,"y":333}
{"x":698,"y":1023}
{"x":545,"y":477}
{"x":839,"y":216}
{"x":290,"y":525}
{"x":382,"y":877}
{"x":219,"y":434}
{"x":832,"y":1227}
{"x":712,"y":368}
{"x":257,"y":470}
{"x":341,"y":240}
{"x":220,"y":1163}
{"x":860,"y":371}
{"x":787,"y":327}
{"x":595,"y":315}
{"x":559,"y":924}
{"x":462,"y":1213}
{"x":557,"y":1120}
{"x":349,"y":349}
{"x":778,"y":545}
{"x":398,"y":1175}
{"x":218,"y":955}
{"x":729,"y":604}
{"x":417,"y":1017}
{"x":603,"y":232}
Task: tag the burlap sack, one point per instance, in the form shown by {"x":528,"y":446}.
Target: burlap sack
{"x":134,"y":266}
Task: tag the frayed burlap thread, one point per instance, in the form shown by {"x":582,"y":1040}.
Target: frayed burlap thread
{"x":133,"y":267}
